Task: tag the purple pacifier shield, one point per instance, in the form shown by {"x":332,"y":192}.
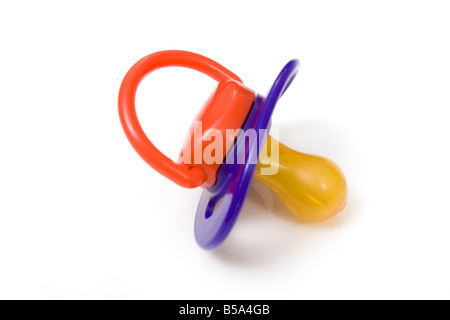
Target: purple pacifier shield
{"x":221,"y":204}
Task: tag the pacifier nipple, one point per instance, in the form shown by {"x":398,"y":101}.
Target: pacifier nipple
{"x":312,"y":188}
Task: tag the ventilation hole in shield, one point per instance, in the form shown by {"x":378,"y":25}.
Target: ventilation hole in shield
{"x":212,"y":207}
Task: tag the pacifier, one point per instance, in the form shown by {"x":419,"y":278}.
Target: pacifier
{"x":228,"y":145}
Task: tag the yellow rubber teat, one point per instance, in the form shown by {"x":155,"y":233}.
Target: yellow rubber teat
{"x":312,"y":188}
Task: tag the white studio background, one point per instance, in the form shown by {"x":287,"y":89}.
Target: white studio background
{"x":82,"y":216}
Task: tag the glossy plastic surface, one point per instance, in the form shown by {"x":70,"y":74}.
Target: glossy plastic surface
{"x":221,"y":204}
{"x":185,"y":176}
{"x":312,"y":188}
{"x":226,"y":109}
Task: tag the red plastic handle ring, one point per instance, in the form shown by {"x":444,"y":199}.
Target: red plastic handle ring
{"x":188,"y":177}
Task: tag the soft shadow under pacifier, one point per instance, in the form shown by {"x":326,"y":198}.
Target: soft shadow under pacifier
{"x":313,"y":188}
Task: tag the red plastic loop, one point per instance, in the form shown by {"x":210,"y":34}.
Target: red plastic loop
{"x":188,"y":177}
